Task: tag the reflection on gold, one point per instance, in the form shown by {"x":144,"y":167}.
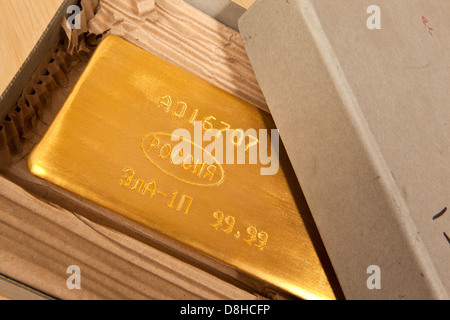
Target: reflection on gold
{"x":95,"y":148}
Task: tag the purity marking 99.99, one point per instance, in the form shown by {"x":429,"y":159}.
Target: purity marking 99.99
{"x":156,"y":162}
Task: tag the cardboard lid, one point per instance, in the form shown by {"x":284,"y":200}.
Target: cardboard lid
{"x":364,"y":115}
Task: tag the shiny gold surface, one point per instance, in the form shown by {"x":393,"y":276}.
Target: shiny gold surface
{"x":99,"y":147}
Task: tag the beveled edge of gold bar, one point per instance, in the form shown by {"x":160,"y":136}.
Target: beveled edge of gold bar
{"x":37,"y":168}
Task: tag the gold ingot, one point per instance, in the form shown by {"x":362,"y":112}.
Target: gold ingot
{"x":111,"y":143}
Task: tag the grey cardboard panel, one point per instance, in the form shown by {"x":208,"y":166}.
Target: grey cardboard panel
{"x":365,"y":117}
{"x":224,"y":11}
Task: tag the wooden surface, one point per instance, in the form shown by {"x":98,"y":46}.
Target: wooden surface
{"x":21,"y":24}
{"x":39,"y":241}
{"x":245,"y":3}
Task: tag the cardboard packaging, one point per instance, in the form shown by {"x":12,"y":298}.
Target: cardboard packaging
{"x":226,"y":12}
{"x":38,"y":238}
{"x":43,"y":228}
{"x":360,"y":94}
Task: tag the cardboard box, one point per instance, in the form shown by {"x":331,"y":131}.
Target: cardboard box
{"x":364,"y":115}
{"x":226,"y":12}
{"x":40,"y":239}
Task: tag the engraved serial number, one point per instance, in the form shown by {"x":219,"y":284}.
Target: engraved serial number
{"x":177,"y":201}
{"x":226,"y":224}
{"x":181,"y":110}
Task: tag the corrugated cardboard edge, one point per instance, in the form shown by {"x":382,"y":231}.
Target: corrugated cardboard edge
{"x":193,"y":258}
{"x":47,"y":40}
{"x":360,"y":211}
{"x":193,"y":41}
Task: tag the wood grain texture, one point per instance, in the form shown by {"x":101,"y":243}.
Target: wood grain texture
{"x":29,"y":248}
{"x":38,"y":241}
{"x":245,"y":3}
{"x":22,"y":22}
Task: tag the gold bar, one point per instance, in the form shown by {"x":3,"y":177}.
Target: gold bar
{"x":111,"y":142}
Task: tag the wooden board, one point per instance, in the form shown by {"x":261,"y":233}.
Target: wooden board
{"x":21,"y":24}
